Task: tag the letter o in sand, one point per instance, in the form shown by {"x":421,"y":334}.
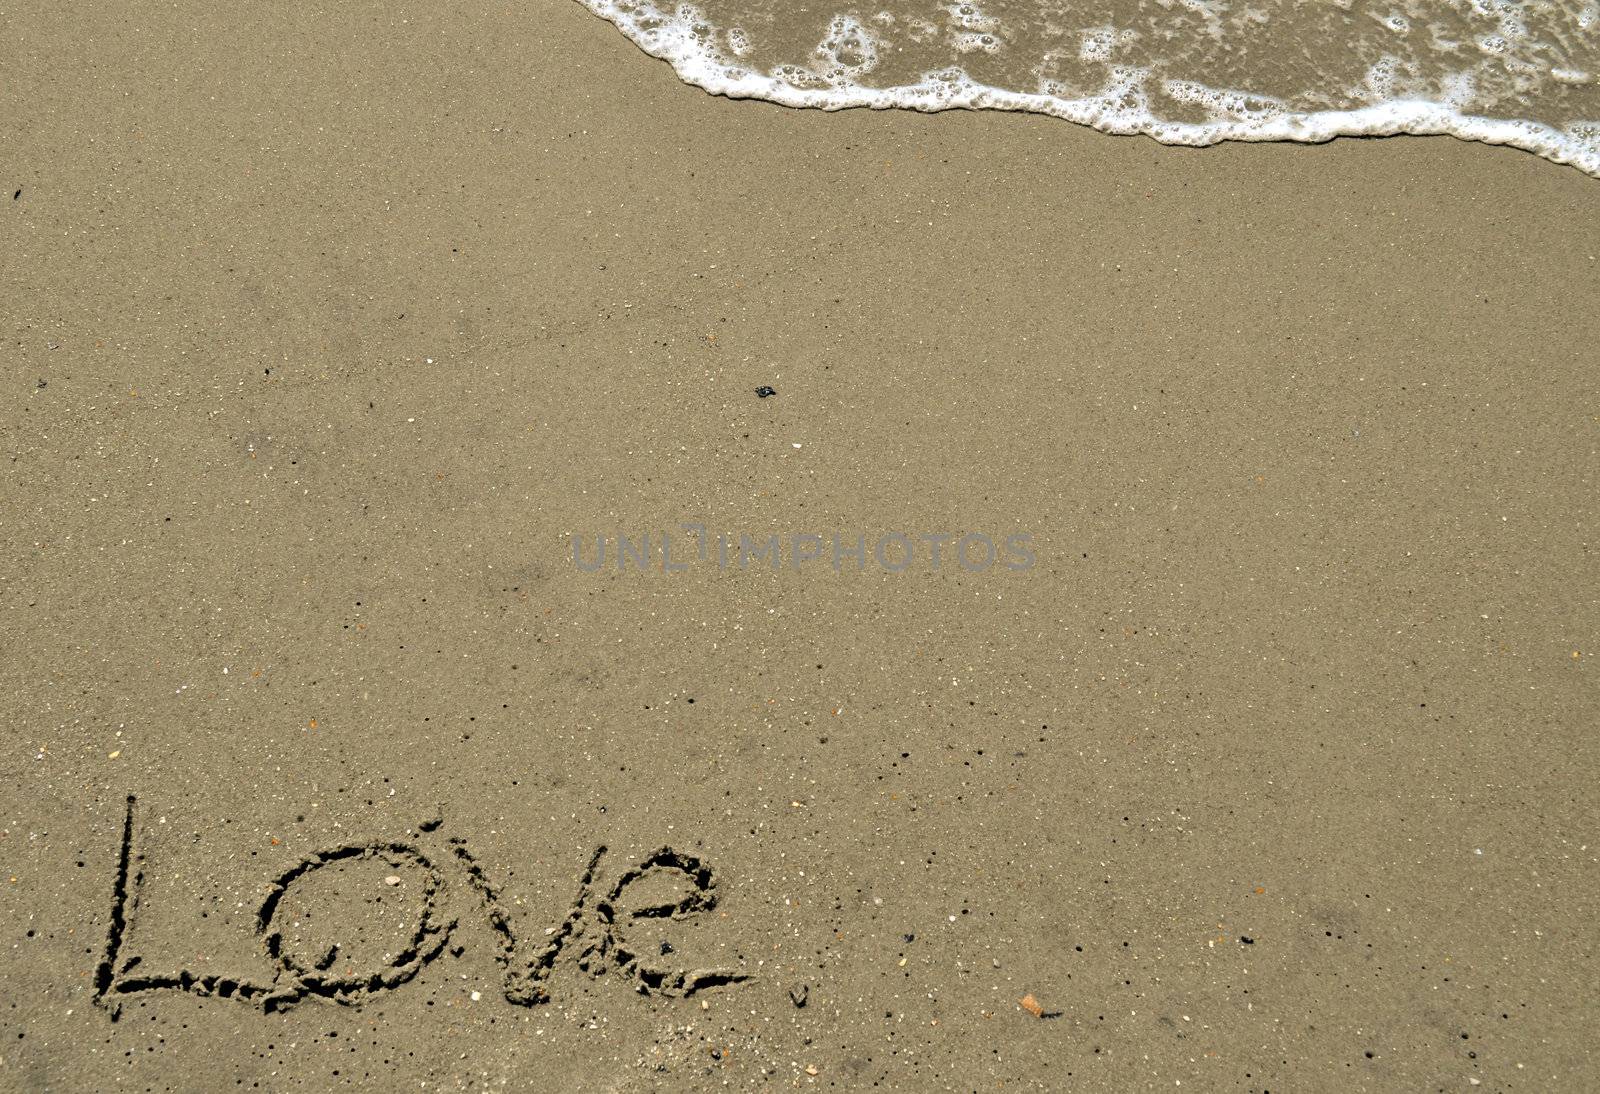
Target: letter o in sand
{"x":353,"y":920}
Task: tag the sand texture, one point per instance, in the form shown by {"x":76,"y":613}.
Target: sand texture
{"x":329,"y":327}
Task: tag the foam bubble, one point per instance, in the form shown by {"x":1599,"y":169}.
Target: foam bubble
{"x":971,"y":17}
{"x":1098,"y":44}
{"x":976,"y":43}
{"x":1223,"y":104}
{"x":848,"y":50}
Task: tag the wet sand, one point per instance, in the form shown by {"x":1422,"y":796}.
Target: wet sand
{"x":329,"y":330}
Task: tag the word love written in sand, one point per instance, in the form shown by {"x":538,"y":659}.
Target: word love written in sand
{"x":594,"y":934}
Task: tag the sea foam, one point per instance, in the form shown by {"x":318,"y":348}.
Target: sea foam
{"x":1186,"y":72}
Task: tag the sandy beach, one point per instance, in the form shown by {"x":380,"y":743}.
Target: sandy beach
{"x":330,"y":330}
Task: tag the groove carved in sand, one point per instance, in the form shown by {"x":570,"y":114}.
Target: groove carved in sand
{"x":593,"y":934}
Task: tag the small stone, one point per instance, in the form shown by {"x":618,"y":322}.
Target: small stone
{"x":811,"y":1069}
{"x":391,"y":880}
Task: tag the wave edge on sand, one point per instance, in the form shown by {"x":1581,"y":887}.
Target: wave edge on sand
{"x":682,"y":38}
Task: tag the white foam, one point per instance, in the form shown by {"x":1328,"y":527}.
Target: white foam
{"x":678,"y":36}
{"x":1098,"y":44}
{"x":971,"y":17}
{"x":849,"y":49}
{"x":976,"y":43}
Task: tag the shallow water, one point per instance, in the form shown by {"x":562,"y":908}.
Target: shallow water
{"x":1182,"y":71}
